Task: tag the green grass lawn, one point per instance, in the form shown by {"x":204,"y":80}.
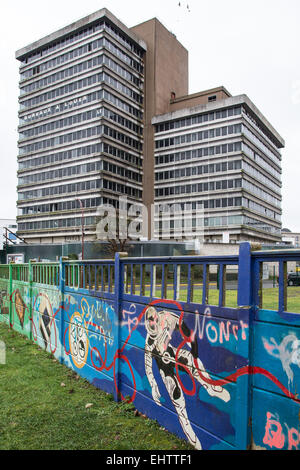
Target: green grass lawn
{"x":269,"y":300}
{"x":37,"y":412}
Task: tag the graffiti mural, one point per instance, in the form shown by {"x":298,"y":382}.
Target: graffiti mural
{"x":186,"y":366}
{"x":4,"y":296}
{"x":288,"y":352}
{"x":160,"y":326}
{"x":277,"y":434}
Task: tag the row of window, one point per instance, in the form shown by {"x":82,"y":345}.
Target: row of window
{"x":197,"y":153}
{"x":109,"y":114}
{"x":111,"y":64}
{"x":133,"y":160}
{"x":123,"y":39}
{"x":258,"y":224}
{"x":216,"y":150}
{"x":60,"y":206}
{"x":198,"y":119}
{"x":61,"y":123}
{"x":121,"y":171}
{"x":125,"y":139}
{"x":66,"y":57}
{"x":56,"y":223}
{"x":184,"y":207}
{"x":261,"y":145}
{"x":62,"y":189}
{"x":165,"y":225}
{"x":257,"y":175}
{"x":223,"y":221}
{"x":82,"y":117}
{"x":66,"y":41}
{"x":61,"y":173}
{"x":63,"y":90}
{"x":80,"y":170}
{"x":215,"y":186}
{"x":60,"y":107}
{"x":89,"y":98}
{"x":60,"y":156}
{"x":221,"y":203}
{"x":200,"y":135}
{"x":138,"y":97}
{"x":123,"y":155}
{"x":63,"y":74}
{"x":79,"y":35}
{"x":177,"y":206}
{"x":198,"y":187}
{"x":138,"y":113}
{"x":81,"y":186}
{"x":262,"y":209}
{"x":117,"y":52}
{"x":198,"y":170}
{"x":260,"y":129}
{"x":59,"y":60}
{"x":78,"y":85}
{"x":71,"y":205}
{"x":261,"y":161}
{"x":121,"y":189}
{"x":79,"y":135}
{"x":62,"y":139}
{"x":214,"y":168}
{"x":82,"y":67}
{"x":252,"y":188}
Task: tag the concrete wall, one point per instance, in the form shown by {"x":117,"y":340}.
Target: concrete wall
{"x":166,"y":71}
{"x":197,"y":99}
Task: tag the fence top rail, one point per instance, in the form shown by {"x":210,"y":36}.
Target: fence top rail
{"x":36,"y":263}
{"x":277,"y":255}
{"x":183,"y":259}
{"x":33,"y":263}
{"x":88,"y":261}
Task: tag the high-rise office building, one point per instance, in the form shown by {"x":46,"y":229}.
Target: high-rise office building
{"x":105,"y":112}
{"x":218,"y":162}
{"x":81,"y":126}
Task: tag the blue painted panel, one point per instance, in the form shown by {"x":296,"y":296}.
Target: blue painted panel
{"x":193,"y":432}
{"x":90,"y":336}
{"x":166,"y":351}
{"x":218,"y":340}
{"x":275,"y":422}
{"x":278,"y":317}
{"x":180,"y":391}
{"x":276,"y":352}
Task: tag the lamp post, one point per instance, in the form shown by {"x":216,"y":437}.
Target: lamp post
{"x":82,"y":229}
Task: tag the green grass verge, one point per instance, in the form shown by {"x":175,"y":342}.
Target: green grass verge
{"x":37,"y":412}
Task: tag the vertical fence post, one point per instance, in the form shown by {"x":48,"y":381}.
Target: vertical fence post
{"x":62,"y":304}
{"x":117,"y":308}
{"x":245,"y":314}
{"x":10,"y":270}
{"x":30,"y":281}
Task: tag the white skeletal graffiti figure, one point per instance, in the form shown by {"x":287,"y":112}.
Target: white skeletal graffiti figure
{"x":288,"y":351}
{"x":160,"y":327}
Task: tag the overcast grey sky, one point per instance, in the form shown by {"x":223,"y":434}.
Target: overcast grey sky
{"x":249,"y":46}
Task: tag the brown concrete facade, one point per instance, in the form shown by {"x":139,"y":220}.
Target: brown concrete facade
{"x":166,"y":76}
{"x":197,"y":99}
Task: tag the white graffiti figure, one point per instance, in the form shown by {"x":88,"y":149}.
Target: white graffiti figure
{"x":288,"y":351}
{"x":160,"y":327}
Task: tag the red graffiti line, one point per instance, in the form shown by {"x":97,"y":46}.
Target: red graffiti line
{"x":247,"y":370}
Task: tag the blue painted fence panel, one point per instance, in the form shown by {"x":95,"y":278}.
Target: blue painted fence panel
{"x":220,"y":377}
